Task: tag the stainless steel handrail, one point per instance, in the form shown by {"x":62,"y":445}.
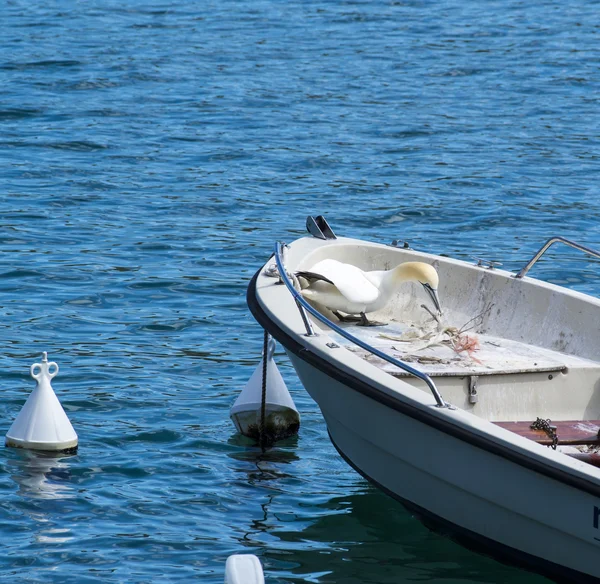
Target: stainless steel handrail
{"x":546,"y":245}
{"x":304,"y":306}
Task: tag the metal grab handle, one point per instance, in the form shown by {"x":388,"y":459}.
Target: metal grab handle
{"x":546,"y":245}
{"x":304,"y":306}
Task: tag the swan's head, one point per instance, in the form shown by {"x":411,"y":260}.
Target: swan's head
{"x":423,"y":273}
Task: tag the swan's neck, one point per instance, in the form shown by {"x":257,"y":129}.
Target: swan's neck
{"x":405,"y":272}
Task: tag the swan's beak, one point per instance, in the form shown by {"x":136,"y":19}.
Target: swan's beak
{"x":434,"y":297}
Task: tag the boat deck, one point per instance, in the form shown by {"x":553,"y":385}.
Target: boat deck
{"x":433,"y":353}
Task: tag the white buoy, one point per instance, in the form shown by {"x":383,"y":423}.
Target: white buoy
{"x":281,"y":420}
{"x":42,"y":423}
{"x":243,"y":569}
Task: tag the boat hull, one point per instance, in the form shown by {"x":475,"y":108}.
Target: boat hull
{"x":492,"y":504}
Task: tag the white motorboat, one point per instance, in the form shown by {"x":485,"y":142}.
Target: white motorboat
{"x":485,"y":424}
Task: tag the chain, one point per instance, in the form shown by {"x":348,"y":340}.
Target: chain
{"x":541,"y":424}
{"x":263,"y":399}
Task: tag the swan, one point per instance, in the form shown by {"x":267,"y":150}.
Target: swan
{"x":345,"y":288}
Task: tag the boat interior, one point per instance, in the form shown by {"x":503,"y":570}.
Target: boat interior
{"x":508,"y":350}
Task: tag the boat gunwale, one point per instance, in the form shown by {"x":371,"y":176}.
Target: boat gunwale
{"x":525,"y":457}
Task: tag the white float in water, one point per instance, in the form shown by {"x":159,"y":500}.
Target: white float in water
{"x":282,"y":419}
{"x":243,"y":569}
{"x":42,"y":423}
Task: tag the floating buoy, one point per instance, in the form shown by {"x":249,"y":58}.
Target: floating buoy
{"x":42,"y":423}
{"x":243,"y":569}
{"x":265,"y":410}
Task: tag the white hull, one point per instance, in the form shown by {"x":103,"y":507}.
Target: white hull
{"x":503,"y":502}
{"x":516,"y":498}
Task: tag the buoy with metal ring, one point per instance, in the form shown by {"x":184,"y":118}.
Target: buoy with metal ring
{"x":42,"y":423}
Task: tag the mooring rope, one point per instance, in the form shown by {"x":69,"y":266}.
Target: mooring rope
{"x":263,"y":400}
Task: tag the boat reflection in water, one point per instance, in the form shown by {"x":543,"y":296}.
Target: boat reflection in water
{"x":363,"y":536}
{"x":368,"y":538}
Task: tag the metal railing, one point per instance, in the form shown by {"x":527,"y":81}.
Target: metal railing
{"x":546,"y":245}
{"x":304,"y":307}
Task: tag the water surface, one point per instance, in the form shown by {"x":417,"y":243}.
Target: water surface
{"x":152,"y":152}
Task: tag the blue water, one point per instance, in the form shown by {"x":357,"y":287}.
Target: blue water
{"x":152,"y":152}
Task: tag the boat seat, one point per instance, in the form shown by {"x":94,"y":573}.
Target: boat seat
{"x":569,"y":432}
{"x":494,"y":355}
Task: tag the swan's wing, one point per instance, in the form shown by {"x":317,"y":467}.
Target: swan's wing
{"x":349,"y":280}
{"x":313,"y":277}
{"x":376,"y":277}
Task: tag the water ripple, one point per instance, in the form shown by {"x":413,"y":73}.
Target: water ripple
{"x":153,"y":152}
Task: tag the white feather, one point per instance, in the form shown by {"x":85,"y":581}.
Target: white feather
{"x":354,"y":291}
{"x":351,"y":281}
